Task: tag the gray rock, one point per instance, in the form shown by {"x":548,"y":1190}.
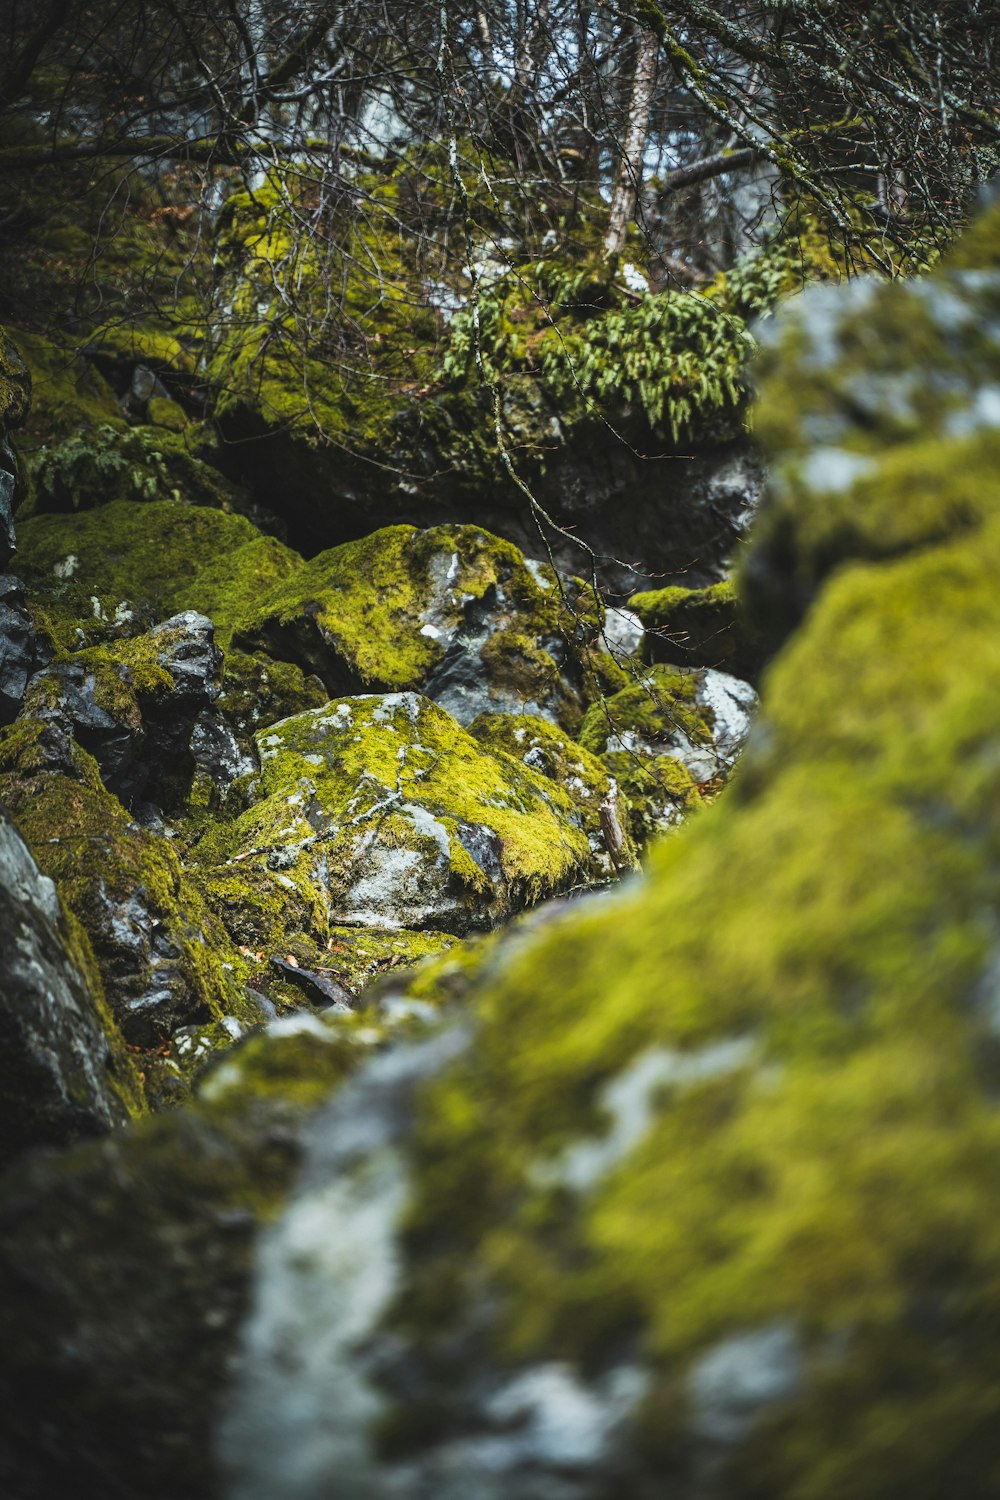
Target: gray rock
{"x":22,"y":652}
{"x":57,"y":1080}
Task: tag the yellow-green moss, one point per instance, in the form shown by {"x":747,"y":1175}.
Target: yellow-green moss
{"x":699,"y":628}
{"x":660,"y":705}
{"x":335,"y":778}
{"x":163,"y":557}
{"x":370,"y":614}
{"x":82,"y":838}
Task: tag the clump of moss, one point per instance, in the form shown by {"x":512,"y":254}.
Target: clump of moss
{"x":67,"y":392}
{"x":257,"y":690}
{"x":699,"y":628}
{"x":91,"y":569}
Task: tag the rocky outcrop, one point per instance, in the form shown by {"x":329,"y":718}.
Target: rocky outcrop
{"x":22,"y":651}
{"x":703,"y":1196}
{"x":64,"y":1073}
{"x":699,"y":1192}
{"x":163,"y":958}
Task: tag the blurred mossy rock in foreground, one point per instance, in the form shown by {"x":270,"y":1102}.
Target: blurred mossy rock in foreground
{"x":698,"y":1194}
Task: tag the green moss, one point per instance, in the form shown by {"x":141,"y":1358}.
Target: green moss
{"x":375,"y":344}
{"x":15,"y":385}
{"x":162,"y":557}
{"x":586,"y":780}
{"x":349,"y":783}
{"x":977,"y":249}
{"x":67,"y":392}
{"x":102,"y":864}
{"x":699,"y":628}
{"x":658,"y":707}
{"x":376,"y":613}
{"x":873,"y":459}
{"x":257,"y":690}
{"x":162,"y":412}
{"x":832,"y":922}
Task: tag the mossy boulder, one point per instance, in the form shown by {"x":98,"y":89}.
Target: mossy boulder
{"x":383,"y":810}
{"x":163,"y":957}
{"x":453,"y":611}
{"x":143,"y":708}
{"x":669,"y":738}
{"x":106,"y":572}
{"x":548,"y":752}
{"x":884,"y":414}
{"x":65,"y":1072}
{"x":349,"y":412}
{"x":127,"y":1267}
{"x":700,"y":628}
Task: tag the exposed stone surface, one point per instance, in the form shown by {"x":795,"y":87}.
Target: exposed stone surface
{"x":64,"y":1072}
{"x":162,"y":955}
{"x":22,"y":652}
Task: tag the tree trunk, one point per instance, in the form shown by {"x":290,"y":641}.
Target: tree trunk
{"x":629,"y":176}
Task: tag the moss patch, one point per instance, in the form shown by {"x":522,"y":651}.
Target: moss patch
{"x":161,"y":557}
{"x":699,"y":628}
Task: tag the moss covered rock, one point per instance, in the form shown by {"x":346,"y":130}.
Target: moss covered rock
{"x":65,"y":1072}
{"x":883,"y":410}
{"x":143,"y":708}
{"x":163,"y":957}
{"x":129,"y":1266}
{"x":385,"y":812}
{"x":103,"y":572}
{"x":705,"y":1201}
{"x":452,"y":610}
{"x":700,"y":628}
{"x":670,"y":737}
